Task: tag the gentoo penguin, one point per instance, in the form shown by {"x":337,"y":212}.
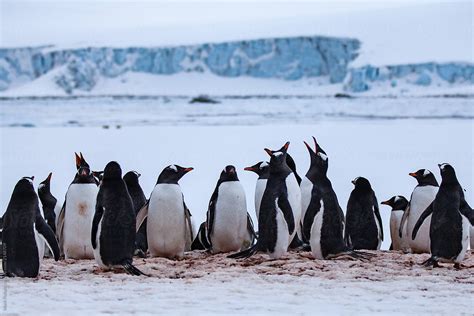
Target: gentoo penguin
{"x":262,"y":169}
{"x":279,"y":210}
{"x":98,"y":176}
{"x":169,"y":229}
{"x":139,"y":200}
{"x":75,"y":219}
{"x":113,"y":226}
{"x":22,"y":220}
{"x":422,"y":196}
{"x":49,"y":202}
{"x":449,"y":229}
{"x":363,"y":222}
{"x":227,"y":217}
{"x":398,"y":204}
{"x":201,"y":242}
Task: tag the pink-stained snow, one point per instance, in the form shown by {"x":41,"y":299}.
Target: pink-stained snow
{"x":389,"y":283}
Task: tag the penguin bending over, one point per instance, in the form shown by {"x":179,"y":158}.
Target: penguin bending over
{"x":422,"y":196}
{"x":364,"y":228}
{"x":139,"y":200}
{"x":279,"y":209}
{"x":449,"y":229}
{"x":75,"y":218}
{"x":21,"y":255}
{"x":113,"y":227}
{"x":398,"y":204}
{"x":169,"y":228}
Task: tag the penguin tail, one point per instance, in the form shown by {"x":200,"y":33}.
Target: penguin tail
{"x":245,"y":253}
{"x":131,"y":269}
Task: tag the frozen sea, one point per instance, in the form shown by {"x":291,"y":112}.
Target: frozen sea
{"x":382,"y":139}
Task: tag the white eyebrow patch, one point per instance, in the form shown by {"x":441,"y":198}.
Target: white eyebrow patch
{"x":277,"y":153}
{"x":323,"y":156}
{"x":263,"y":164}
{"x":173,"y":167}
{"x":31,"y":181}
{"x":443,"y":165}
{"x":136,"y":173}
{"x":397,"y":198}
{"x":426,"y":172}
{"x":42,"y":185}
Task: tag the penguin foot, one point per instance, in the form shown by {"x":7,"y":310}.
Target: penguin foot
{"x":458,"y":266}
{"x":140,"y":253}
{"x":431,"y":262}
{"x":131,"y":269}
{"x":244,"y":254}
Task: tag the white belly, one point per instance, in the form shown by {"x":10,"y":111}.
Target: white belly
{"x":306,"y":193}
{"x":379,"y":229}
{"x":259,"y":190}
{"x":465,"y":239}
{"x":397,"y":242}
{"x":166,"y":232}
{"x":421,"y":198}
{"x":96,"y":251}
{"x":230,"y":218}
{"x":282,"y":242}
{"x":57,"y":210}
{"x":294,"y":198}
{"x":471,"y":233}
{"x":80,"y":209}
{"x":315,"y":239}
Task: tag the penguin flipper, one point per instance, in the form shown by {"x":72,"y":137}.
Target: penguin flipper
{"x":313,"y":209}
{"x":60,"y":227}
{"x":47,"y":234}
{"x":131,"y":269}
{"x":403,"y":220}
{"x":99,"y":211}
{"x":141,"y":216}
{"x":244,"y":253}
{"x":189,"y":233}
{"x":211,"y":211}
{"x":420,"y":221}
{"x":285,"y":207}
{"x":377,"y":215}
{"x":391,"y":246}
{"x":466,"y":210}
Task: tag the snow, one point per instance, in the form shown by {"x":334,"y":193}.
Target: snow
{"x":392,"y":32}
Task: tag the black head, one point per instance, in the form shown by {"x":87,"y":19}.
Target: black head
{"x":361,"y":184}
{"x":172,"y":174}
{"x":448,"y":175}
{"x":424,"y":177}
{"x":44,"y":186}
{"x":112,"y":171}
{"x":131,"y":177}
{"x":278,"y":158}
{"x":228,"y":174}
{"x":262,"y":169}
{"x":397,"y":202}
{"x":24,"y":187}
{"x":83,"y":169}
{"x":319,"y":160}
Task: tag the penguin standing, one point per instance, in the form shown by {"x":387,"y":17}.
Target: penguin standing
{"x":227,"y":217}
{"x":363,"y":222}
{"x":22,"y":220}
{"x":113,"y":228}
{"x":169,"y":229}
{"x":49,"y":202}
{"x":422,"y":196}
{"x":139,"y":200}
{"x":279,"y":210}
{"x":398,"y":204}
{"x":262,"y":169}
{"x":201,"y":242}
{"x":75,"y":219}
{"x":449,"y":229}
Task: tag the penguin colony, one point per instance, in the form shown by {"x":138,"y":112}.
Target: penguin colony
{"x":106,"y":217}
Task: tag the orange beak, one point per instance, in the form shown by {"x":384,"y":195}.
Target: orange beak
{"x":412,"y":174}
{"x":49,"y":176}
{"x":249,"y":169}
{"x":186,"y":170}
{"x":385,"y":203}
{"x":269,"y":152}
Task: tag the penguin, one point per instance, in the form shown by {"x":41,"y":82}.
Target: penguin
{"x":139,"y":200}
{"x":98,"y":175}
{"x":75,"y":218}
{"x":363,"y":222}
{"x":451,"y":215}
{"x":262,"y":169}
{"x":113,"y":227}
{"x":471,"y":233}
{"x":421,"y":197}
{"x":21,"y":256}
{"x":201,"y":242}
{"x":279,"y":210}
{"x":49,"y":202}
{"x":227,"y":217}
{"x":169,"y":228}
{"x":398,"y":204}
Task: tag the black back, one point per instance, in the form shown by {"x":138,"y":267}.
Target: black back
{"x":332,"y":229}
{"x":397,"y":203}
{"x":275,"y":190}
{"x":115,"y":208}
{"x":48,"y":201}
{"x":20,"y":252}
{"x":361,"y":225}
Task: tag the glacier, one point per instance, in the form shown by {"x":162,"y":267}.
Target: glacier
{"x":291,"y":59}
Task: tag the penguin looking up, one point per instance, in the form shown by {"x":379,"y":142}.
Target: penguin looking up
{"x":227,"y":218}
{"x":113,"y":228}
{"x":22,"y":220}
{"x":139,"y":200}
{"x":262,"y":169}
{"x":75,"y":218}
{"x":363,"y":222}
{"x":48,"y":201}
{"x":422,"y":196}
{"x":449,"y":229}
{"x":169,"y":228}
{"x":398,"y":204}
{"x":279,"y":209}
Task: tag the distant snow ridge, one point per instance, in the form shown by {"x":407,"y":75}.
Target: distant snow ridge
{"x":283,"y":58}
